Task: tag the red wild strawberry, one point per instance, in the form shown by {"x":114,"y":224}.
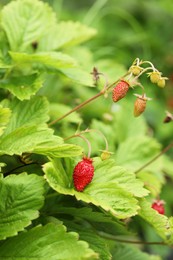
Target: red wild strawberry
{"x":158,"y":205}
{"x":120,"y":90}
{"x":83,"y":173}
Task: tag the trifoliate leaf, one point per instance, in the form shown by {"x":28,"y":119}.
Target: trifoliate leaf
{"x":112,"y":188}
{"x":65,"y":34}
{"x":25,"y":22}
{"x":51,"y":242}
{"x":21,"y":198}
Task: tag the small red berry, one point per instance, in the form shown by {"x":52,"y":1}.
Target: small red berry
{"x":83,"y":173}
{"x":158,"y":205}
{"x":120,"y":90}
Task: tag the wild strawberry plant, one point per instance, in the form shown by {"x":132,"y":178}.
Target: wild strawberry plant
{"x":64,"y":197}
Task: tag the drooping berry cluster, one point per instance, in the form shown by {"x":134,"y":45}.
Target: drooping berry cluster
{"x":136,"y":70}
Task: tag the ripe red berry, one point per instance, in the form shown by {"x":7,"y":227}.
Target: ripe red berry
{"x":159,"y":206}
{"x":83,"y":173}
{"x":139,"y":106}
{"x":120,"y":90}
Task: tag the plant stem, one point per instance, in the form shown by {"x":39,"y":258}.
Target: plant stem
{"x":169,"y":146}
{"x":112,"y":237}
{"x":102,"y":92}
{"x":88,"y":143}
{"x":76,"y":108}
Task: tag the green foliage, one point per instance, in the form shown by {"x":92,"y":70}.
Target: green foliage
{"x":45,"y":78}
{"x":120,"y":251}
{"x":113,"y":188}
{"x":51,"y":241}
{"x":21,"y":202}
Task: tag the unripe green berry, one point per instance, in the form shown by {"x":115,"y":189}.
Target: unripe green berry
{"x":105,"y":155}
{"x":154,"y":76}
{"x":135,"y":70}
{"x":161,"y":82}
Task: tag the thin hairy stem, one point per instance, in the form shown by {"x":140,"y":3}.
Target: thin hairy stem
{"x":85,"y":139}
{"x":76,"y":108}
{"x":156,"y":157}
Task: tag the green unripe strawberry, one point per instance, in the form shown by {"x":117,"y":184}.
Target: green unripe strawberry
{"x":105,"y":155}
{"x":135,"y":70}
{"x":161,"y":82}
{"x":154,"y":76}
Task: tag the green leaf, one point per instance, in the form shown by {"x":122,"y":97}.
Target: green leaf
{"x":21,"y":198}
{"x":27,"y":113}
{"x":49,"y":242}
{"x":5,"y":114}
{"x":26,"y":139}
{"x":65,"y":34}
{"x":26,"y":21}
{"x":124,"y":251}
{"x":96,"y":243}
{"x":117,"y":174}
{"x":112,"y":188}
{"x":99,"y":220}
{"x":27,"y":129}
{"x":161,"y":224}
{"x":78,"y":75}
{"x":23,"y":86}
{"x":152,"y":181}
{"x":50,"y":60}
{"x":58,"y":150}
{"x":139,"y":150}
